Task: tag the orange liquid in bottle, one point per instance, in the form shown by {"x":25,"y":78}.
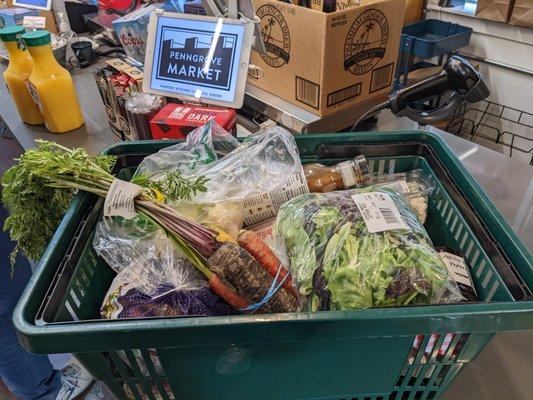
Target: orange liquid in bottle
{"x":51,"y":86}
{"x":18,"y":70}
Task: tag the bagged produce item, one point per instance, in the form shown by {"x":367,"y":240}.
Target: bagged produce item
{"x":414,"y":185}
{"x":153,"y":278}
{"x":226,"y":216}
{"x":361,"y":248}
{"x":203,"y":145}
{"x":262,"y":173}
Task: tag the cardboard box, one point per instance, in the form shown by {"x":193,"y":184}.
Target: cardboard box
{"x":494,"y":10}
{"x":14,"y":15}
{"x":326,"y":62}
{"x":522,"y":14}
{"x":175,"y":121}
{"x":413,"y":11}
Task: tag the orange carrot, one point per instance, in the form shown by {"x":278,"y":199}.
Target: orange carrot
{"x":253,"y":244}
{"x":229,"y":295}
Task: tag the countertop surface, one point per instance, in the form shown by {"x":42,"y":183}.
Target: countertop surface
{"x":504,"y":368}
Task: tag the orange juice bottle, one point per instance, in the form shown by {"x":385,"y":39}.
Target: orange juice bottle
{"x":51,"y":85}
{"x":18,"y":70}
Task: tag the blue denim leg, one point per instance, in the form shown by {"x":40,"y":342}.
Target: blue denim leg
{"x":28,"y":376}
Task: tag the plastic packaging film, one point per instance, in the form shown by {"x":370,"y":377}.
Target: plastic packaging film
{"x":140,"y":109}
{"x":340,"y":265}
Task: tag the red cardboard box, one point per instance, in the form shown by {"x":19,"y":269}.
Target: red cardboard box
{"x":175,"y":121}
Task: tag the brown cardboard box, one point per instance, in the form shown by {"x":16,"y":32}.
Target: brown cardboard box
{"x":495,"y":10}
{"x":326,"y":62}
{"x":522,"y":13}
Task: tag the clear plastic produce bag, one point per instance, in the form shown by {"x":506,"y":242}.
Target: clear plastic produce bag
{"x":262,"y":173}
{"x":415,"y":185}
{"x":361,"y":248}
{"x":203,"y":145}
{"x":153,"y":278}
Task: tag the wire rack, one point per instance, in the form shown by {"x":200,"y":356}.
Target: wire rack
{"x":501,"y":128}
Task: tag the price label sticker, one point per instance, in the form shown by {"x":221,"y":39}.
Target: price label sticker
{"x":457,"y":267}
{"x":33,"y":22}
{"x":379,"y":212}
{"x":120,"y":199}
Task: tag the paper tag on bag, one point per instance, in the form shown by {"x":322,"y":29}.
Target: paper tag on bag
{"x":456,"y":267}
{"x":265,"y":206}
{"x":33,"y":22}
{"x":379,"y":212}
{"x":120,"y":199}
{"x":398,"y":186}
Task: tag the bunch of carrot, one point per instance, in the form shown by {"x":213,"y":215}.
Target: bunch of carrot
{"x":242,"y":273}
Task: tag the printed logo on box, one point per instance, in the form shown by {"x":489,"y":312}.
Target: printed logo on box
{"x":276,"y":36}
{"x":179,"y":113}
{"x":366,"y":42}
{"x":185,"y":57}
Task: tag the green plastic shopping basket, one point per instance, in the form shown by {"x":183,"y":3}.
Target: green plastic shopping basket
{"x":382,"y":353}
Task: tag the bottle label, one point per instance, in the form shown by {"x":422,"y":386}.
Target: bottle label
{"x":379,"y":212}
{"x":34,"y":95}
{"x":347,"y":173}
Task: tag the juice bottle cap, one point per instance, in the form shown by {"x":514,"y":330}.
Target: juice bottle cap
{"x":11,"y":33}
{"x":37,"y":38}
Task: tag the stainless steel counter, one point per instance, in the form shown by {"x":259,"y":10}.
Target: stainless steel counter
{"x":504,"y":369}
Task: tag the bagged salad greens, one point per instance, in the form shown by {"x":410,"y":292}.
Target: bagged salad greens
{"x":340,"y":265}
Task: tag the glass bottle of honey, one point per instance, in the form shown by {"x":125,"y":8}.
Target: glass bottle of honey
{"x":347,"y":174}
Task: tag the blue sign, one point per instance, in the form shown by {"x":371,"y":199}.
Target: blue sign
{"x":197,"y":58}
{"x":35,"y":4}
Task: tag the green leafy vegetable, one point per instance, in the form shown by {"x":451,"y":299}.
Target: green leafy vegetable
{"x":39,"y":188}
{"x":342,"y":266}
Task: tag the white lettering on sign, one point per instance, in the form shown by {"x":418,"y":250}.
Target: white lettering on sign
{"x":191,"y":71}
{"x":379,"y":212}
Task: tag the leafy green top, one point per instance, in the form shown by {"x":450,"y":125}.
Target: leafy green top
{"x":39,"y":188}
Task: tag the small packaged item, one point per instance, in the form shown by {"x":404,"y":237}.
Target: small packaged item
{"x":175,"y":121}
{"x":132,"y":31}
{"x":194,"y":7}
{"x":345,"y":175}
{"x":414,"y":185}
{"x":116,"y":83}
{"x":140,"y":109}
